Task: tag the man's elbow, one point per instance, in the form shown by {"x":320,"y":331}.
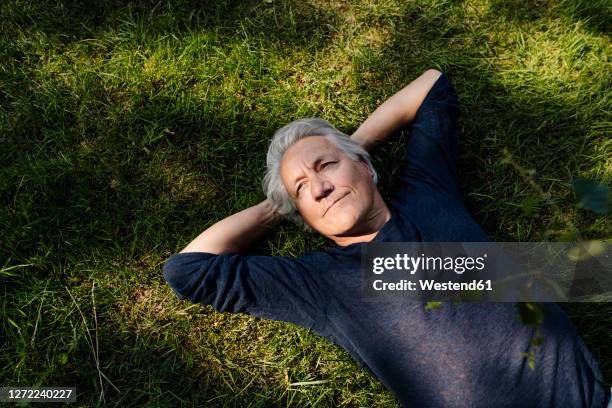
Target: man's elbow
{"x":432,"y":72}
{"x":175,"y":278}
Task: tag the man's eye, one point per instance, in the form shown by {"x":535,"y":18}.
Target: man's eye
{"x":327,"y":164}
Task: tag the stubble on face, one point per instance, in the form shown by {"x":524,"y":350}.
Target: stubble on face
{"x":337,"y":196}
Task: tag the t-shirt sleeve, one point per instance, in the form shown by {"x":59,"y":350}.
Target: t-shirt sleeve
{"x":279,"y":288}
{"x":432,"y":148}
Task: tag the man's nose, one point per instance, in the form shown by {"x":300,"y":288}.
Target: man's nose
{"x":320,"y":188}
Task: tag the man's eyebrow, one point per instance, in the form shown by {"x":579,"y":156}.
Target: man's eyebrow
{"x":315,"y":163}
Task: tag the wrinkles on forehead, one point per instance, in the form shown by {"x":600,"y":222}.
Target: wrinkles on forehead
{"x":307,"y":153}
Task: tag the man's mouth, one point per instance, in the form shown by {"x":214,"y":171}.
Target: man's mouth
{"x":334,"y":203}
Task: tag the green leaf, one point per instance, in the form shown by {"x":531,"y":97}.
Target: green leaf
{"x":591,"y":195}
{"x":11,"y":321}
{"x":570,"y":235}
{"x":529,"y":205}
{"x":530,"y":314}
{"x":530,"y":356}
{"x":433,"y":305}
{"x":586,"y":250}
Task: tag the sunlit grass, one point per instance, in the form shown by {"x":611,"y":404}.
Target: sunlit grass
{"x":128,"y":128}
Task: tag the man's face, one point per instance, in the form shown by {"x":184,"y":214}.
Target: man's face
{"x":333,"y":193}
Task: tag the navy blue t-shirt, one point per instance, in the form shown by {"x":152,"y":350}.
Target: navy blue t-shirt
{"x":460,"y":355}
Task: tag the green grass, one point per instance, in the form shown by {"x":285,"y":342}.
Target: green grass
{"x":129,"y":127}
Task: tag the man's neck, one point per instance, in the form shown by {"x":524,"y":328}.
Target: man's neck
{"x":378,"y":217}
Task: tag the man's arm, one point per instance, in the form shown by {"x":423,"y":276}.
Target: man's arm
{"x":236,"y":232}
{"x":210,"y":272}
{"x":397,"y":111}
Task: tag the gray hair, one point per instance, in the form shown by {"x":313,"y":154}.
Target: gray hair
{"x":284,"y":138}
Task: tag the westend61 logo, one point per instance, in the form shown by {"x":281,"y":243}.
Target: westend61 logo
{"x":487,"y":271}
{"x":411,"y":264}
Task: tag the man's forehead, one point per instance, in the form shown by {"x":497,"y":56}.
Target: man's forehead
{"x":309,"y":149}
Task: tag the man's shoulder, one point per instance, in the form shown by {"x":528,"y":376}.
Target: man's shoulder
{"x":415,"y":199}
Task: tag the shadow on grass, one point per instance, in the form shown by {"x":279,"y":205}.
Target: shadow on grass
{"x":107,"y":190}
{"x":128,"y":175}
{"x":152,"y":352}
{"x":161,"y":373}
{"x":554,"y":137}
{"x":285,"y":23}
{"x":71,"y":184}
{"x":593,"y":14}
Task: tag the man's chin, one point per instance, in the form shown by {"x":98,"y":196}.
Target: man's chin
{"x":349,"y":228}
{"x":341,"y":233}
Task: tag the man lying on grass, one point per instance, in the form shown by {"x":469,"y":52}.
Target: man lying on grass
{"x":460,"y":355}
